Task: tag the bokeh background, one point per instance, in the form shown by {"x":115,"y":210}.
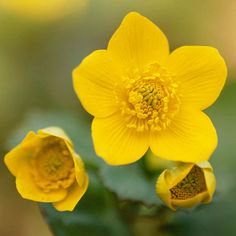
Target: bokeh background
{"x":41,"y":41}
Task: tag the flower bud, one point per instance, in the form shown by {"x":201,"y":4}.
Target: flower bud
{"x":186,"y":185}
{"x":47,"y":169}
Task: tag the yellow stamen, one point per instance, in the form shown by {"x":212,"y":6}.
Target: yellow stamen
{"x":193,"y":184}
{"x":149,"y":98}
{"x":53,"y":167}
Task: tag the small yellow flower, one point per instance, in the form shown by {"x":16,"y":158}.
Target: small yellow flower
{"x":187,"y":185}
{"x":47,"y":169}
{"x":141,"y":96}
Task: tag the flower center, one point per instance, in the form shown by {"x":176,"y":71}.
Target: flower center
{"x":151,"y":100}
{"x":53,"y":166}
{"x":193,"y":184}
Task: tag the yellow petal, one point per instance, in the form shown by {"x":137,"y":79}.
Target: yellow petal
{"x":95,"y":80}
{"x":162,"y":189}
{"x":29,"y":190}
{"x":205,"y":165}
{"x":19,"y":156}
{"x":210,"y":183}
{"x":54,"y":131}
{"x":75,"y":193}
{"x":177,"y":174}
{"x":80,"y":173}
{"x":138,"y":42}
{"x":191,"y":137}
{"x":200,"y":72}
{"x":116,"y":143}
{"x":191,"y":202}
{"x":79,"y":170}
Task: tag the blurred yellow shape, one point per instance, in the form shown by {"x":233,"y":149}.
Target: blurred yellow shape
{"x":47,"y":169}
{"x":186,"y":185}
{"x":42,"y":10}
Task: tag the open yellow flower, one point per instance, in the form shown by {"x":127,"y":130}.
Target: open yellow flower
{"x":186,"y":185}
{"x":47,"y":169}
{"x":141,"y":96}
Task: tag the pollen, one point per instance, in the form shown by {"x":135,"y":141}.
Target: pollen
{"x":192,"y":185}
{"x":53,"y":166}
{"x":150,"y":100}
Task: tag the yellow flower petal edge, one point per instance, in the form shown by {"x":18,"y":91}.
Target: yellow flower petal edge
{"x":154,"y":98}
{"x":201,"y":71}
{"x":75,"y":193}
{"x":112,"y":140}
{"x":47,"y":169}
{"x":186,"y":185}
{"x":97,"y":75}
{"x":190,"y":134}
{"x":138,"y":42}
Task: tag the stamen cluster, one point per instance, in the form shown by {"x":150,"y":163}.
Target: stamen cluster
{"x":193,"y":184}
{"x":53,"y":166}
{"x":150,"y":100}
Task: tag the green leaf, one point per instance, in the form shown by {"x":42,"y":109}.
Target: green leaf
{"x":78,"y":127}
{"x":95,"y":215}
{"x":130,"y":183}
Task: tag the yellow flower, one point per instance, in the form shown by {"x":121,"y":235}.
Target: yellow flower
{"x":186,"y":185}
{"x":47,"y":169}
{"x":42,"y":10}
{"x":141,"y":96}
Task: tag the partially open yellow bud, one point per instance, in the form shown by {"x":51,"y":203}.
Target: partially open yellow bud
{"x":47,"y":169}
{"x":186,"y":185}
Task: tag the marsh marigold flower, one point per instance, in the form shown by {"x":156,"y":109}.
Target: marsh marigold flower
{"x":141,"y":96}
{"x":47,"y":169}
{"x":186,"y":185}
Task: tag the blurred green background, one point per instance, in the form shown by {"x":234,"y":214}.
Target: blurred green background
{"x":38,"y":52}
